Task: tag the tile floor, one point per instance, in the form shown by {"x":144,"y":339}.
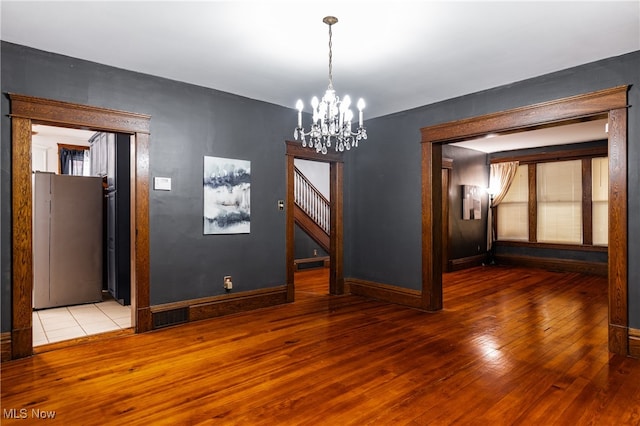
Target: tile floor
{"x":69,"y":322}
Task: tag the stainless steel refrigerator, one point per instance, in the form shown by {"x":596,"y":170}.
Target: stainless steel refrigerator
{"x":67,"y":240}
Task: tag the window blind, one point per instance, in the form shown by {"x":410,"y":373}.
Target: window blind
{"x":600,"y":200}
{"x":559,"y":193}
{"x":513,"y":215}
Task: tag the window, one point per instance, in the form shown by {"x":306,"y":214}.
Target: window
{"x":513,"y":218}
{"x":600,"y":200}
{"x":557,"y":202}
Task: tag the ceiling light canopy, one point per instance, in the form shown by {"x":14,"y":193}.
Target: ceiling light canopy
{"x":331,"y":116}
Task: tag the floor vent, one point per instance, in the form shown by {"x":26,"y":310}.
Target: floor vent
{"x":171,"y":317}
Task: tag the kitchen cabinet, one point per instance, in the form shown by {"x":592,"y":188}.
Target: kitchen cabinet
{"x":118,"y":202}
{"x":98,"y":150}
{"x":102,"y":147}
{"x":110,"y":159}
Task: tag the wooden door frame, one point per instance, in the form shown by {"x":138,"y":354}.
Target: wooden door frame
{"x":28,"y":110}
{"x":336,"y":237}
{"x":447,"y":166}
{"x":612,"y":101}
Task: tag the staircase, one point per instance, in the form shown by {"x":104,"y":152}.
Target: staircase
{"x":312,"y":210}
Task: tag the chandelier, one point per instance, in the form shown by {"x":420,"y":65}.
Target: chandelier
{"x":331,"y":117}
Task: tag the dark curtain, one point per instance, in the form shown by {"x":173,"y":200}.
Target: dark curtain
{"x":69,"y":161}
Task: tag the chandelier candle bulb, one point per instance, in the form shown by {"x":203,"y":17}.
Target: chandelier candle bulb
{"x":299,"y":106}
{"x":360,"y":108}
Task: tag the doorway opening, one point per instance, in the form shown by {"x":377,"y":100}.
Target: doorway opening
{"x":613,"y":103}
{"x":81,"y":211}
{"x":312,"y":228}
{"x":336,"y":278}
{"x":26,"y":111}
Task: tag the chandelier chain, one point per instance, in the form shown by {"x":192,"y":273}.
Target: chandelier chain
{"x":330,"y":60}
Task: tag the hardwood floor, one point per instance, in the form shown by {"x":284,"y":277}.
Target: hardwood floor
{"x":311,"y":283}
{"x":512,"y":346}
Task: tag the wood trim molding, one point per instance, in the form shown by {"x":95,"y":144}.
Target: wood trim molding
{"x":290,"y":225}
{"x":336,"y":235}
{"x":552,"y":246}
{"x":244,"y":302}
{"x":385,"y":292}
{"x":612,"y":102}
{"x":532,"y":208}
{"x":618,"y":244}
{"x":431,"y":226}
{"x":554,"y":264}
{"x":141,"y":249}
{"x":22,"y":236}
{"x":43,"y":110}
{"x":298,"y":151}
{"x":215,"y":299}
{"x":73,"y":147}
{"x":226,"y":304}
{"x":554,"y":111}
{"x":26,"y":110}
{"x":573,"y":154}
{"x":587,"y":202}
{"x":467,"y":262}
{"x":5,"y":346}
{"x":634,"y":342}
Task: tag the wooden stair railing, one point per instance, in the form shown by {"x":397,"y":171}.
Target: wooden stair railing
{"x":312,"y":210}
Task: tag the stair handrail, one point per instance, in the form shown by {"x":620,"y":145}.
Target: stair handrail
{"x":311,"y":201}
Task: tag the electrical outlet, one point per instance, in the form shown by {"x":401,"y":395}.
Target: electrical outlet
{"x":228,"y":284}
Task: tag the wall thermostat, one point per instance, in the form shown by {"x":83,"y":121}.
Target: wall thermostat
{"x":162,"y":184}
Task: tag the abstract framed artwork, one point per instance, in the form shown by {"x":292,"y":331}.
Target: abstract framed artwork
{"x":471,"y":202}
{"x":227,"y":196}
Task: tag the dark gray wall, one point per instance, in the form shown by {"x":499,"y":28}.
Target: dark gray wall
{"x":304,"y":245}
{"x":382,"y":177}
{"x":187,"y":123}
{"x":468,"y":237}
{"x":383,"y":205}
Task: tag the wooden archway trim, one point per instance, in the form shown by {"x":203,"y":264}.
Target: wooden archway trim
{"x":336,"y":237}
{"x":26,"y":110}
{"x":610,"y":101}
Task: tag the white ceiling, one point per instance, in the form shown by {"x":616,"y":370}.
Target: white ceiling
{"x":50,"y":136}
{"x":587,"y":131}
{"x":397,"y":55}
